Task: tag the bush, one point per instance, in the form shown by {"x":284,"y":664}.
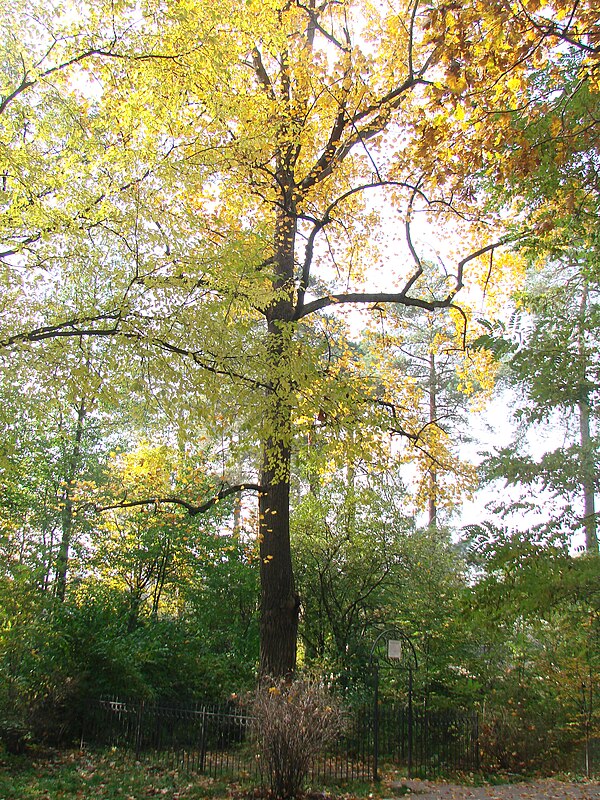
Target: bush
{"x":13,"y":735}
{"x":293,"y":723}
{"x":520,"y":741}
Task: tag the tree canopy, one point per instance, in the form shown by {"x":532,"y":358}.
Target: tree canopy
{"x":194,"y":195}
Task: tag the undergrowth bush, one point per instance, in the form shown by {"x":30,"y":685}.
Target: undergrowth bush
{"x":294,"y":721}
{"x":519,"y":742}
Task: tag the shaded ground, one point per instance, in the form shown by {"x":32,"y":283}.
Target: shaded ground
{"x":112,"y":775}
{"x":547,"y":789}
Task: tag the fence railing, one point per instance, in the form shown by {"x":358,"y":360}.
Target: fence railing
{"x":215,"y":739}
{"x":428,"y":743}
{"x":200,"y":737}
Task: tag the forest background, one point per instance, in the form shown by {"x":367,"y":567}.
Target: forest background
{"x":261,"y":262}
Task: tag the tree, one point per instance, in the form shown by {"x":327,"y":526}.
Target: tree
{"x":362,"y":565}
{"x":533,"y":610}
{"x":442,"y":377}
{"x":550,"y":347}
{"x":228,"y":170}
{"x":555,"y":368}
{"x":149,"y":549}
{"x":349,"y":544}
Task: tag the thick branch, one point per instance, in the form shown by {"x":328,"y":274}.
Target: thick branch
{"x":327,"y":218}
{"x":402,"y":297}
{"x":331,"y":154}
{"x":378,"y":113}
{"x":13,"y":251}
{"x":192,"y":509}
{"x":73,"y":327}
{"x":261,"y":73}
{"x":372,"y":298}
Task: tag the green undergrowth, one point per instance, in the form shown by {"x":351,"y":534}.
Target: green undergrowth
{"x":396,"y":784}
{"x":113,"y":775}
{"x":104,"y":775}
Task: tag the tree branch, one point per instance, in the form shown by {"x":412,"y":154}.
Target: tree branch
{"x":402,"y":297}
{"x":73,"y":327}
{"x":192,"y":509}
{"x":320,"y":224}
{"x":372,"y":298}
{"x":314,"y":21}
{"x":261,"y":73}
{"x":415,"y":438}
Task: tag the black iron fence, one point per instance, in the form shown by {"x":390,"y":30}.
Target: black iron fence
{"x":215,"y":739}
{"x":200,"y":737}
{"x":427,"y":743}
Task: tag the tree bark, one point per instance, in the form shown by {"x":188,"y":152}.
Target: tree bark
{"x":585,"y":440}
{"x":62,"y":557}
{"x":280,"y":605}
{"x":587,"y":478}
{"x":433,"y":478}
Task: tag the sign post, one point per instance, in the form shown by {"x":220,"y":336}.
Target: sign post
{"x":392,"y":646}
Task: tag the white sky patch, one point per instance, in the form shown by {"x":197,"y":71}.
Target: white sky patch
{"x":493,"y":429}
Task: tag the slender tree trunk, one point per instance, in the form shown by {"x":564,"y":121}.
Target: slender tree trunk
{"x":588,"y":477}
{"x":432,"y":504}
{"x":162,"y":564}
{"x":62,"y":557}
{"x":351,"y":499}
{"x":237,"y":514}
{"x":585,"y":440}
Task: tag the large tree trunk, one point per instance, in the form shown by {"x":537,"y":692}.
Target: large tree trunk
{"x":279,"y":603}
{"x":279,"y":606}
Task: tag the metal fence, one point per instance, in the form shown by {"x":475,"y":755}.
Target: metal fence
{"x":199,"y":737}
{"x":428,"y":743}
{"x":215,"y":739}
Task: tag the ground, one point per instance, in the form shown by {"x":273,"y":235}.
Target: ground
{"x":112,"y":775}
{"x":547,"y":789}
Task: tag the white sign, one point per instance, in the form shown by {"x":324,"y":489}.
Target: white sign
{"x":394,"y":648}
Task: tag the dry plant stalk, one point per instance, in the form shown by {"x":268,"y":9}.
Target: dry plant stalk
{"x":294,"y":722}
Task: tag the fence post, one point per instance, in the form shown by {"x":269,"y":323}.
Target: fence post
{"x":376,"y":725}
{"x":410,"y":723}
{"x":138,"y":730}
{"x":203,"y":743}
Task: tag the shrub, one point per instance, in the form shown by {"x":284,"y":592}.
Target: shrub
{"x":520,"y":741}
{"x":293,"y":722}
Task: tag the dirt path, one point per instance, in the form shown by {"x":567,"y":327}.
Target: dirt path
{"x":548,"y":789}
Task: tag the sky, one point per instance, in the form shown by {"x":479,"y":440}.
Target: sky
{"x":492,"y":429}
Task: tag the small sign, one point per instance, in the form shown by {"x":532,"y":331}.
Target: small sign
{"x":394,"y":648}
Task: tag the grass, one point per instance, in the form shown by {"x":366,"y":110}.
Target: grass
{"x":114,"y":775}
{"x":104,"y":775}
